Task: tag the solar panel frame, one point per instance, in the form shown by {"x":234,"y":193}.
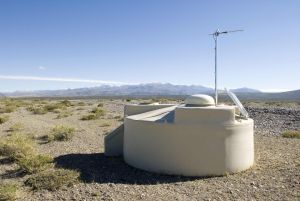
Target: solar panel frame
{"x":238,"y":103}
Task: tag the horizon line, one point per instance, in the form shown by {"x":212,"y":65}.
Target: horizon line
{"x":114,"y":83}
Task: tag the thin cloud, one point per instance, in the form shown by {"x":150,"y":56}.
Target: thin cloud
{"x":54,"y":79}
{"x":42,"y":68}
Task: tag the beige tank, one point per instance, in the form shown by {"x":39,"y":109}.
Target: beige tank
{"x":189,"y":140}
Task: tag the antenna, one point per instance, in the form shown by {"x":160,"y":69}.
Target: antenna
{"x":215,"y":36}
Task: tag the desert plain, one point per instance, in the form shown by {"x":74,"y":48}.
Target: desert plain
{"x":275,"y":175}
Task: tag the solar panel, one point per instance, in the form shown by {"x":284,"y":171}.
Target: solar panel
{"x":238,"y":103}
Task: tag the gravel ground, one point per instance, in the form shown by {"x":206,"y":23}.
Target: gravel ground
{"x":270,"y":121}
{"x":275,"y":175}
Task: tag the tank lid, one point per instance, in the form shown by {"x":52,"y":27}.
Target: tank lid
{"x":199,"y":100}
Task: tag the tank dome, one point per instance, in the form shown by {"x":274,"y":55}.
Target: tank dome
{"x":199,"y":100}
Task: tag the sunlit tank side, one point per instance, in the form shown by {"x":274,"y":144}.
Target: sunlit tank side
{"x":190,"y":141}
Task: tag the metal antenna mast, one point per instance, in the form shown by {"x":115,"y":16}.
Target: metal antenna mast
{"x":215,"y":36}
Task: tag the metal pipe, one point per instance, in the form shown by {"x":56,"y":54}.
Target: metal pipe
{"x":215,"y":36}
{"x":216,"y":72}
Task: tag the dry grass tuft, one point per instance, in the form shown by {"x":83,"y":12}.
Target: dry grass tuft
{"x":60,"y":133}
{"x":119,"y":118}
{"x":88,"y":117}
{"x":96,"y":113}
{"x":17,"y":146}
{"x":52,"y":179}
{"x":34,"y":164}
{"x":16,"y":127}
{"x":57,"y":111}
{"x":49,"y":107}
{"x":11,"y":105}
{"x":8,"y":192}
{"x":3,"y":119}
{"x":7,"y":109}
{"x":66,"y":103}
{"x":37,"y":109}
{"x":22,"y":150}
{"x":81,"y":103}
{"x":105,"y":124}
{"x":291,"y":134}
{"x":63,"y":114}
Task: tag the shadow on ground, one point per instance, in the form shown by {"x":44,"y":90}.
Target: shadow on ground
{"x":10,"y":174}
{"x":101,"y":169}
{"x":6,"y":161}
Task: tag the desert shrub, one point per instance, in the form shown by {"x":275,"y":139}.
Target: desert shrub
{"x":80,"y":108}
{"x":38,"y":101}
{"x":22,"y":103}
{"x":57,"y":111}
{"x":36,"y":163}
{"x":8,"y":192}
{"x":161,"y":100}
{"x":53,"y":106}
{"x":60,"y":133}
{"x":3,"y":119}
{"x":100,"y":105}
{"x":15,"y":102}
{"x":52,"y":179}
{"x":89,"y":117}
{"x":17,"y":146}
{"x":63,"y":114}
{"x":95,"y":194}
{"x":81,"y":103}
{"x":98,"y":111}
{"x":62,"y":105}
{"x":22,"y":150}
{"x":117,"y":117}
{"x":7,"y":109}
{"x":37,"y":109}
{"x":105,"y":124}
{"x":11,"y":105}
{"x":16,"y":127}
{"x":291,"y":134}
{"x":49,"y":107}
{"x":66,"y":103}
{"x":30,"y":108}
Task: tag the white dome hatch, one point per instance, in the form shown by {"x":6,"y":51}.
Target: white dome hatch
{"x":199,"y":100}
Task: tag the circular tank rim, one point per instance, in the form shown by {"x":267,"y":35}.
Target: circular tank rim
{"x":236,"y":123}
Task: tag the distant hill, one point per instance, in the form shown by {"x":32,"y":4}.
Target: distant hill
{"x":289,"y":95}
{"x":245,"y":90}
{"x":124,"y":90}
{"x":154,"y":89}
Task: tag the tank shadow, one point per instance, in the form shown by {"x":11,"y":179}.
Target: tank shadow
{"x":101,"y":169}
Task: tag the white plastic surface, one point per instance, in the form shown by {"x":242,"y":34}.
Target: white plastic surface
{"x":238,"y":103}
{"x":199,"y":100}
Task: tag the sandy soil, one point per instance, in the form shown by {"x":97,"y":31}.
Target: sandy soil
{"x":275,"y":176}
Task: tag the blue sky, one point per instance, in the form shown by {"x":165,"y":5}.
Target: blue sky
{"x":59,"y":44}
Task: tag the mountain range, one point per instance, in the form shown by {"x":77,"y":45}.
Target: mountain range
{"x":151,"y":89}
